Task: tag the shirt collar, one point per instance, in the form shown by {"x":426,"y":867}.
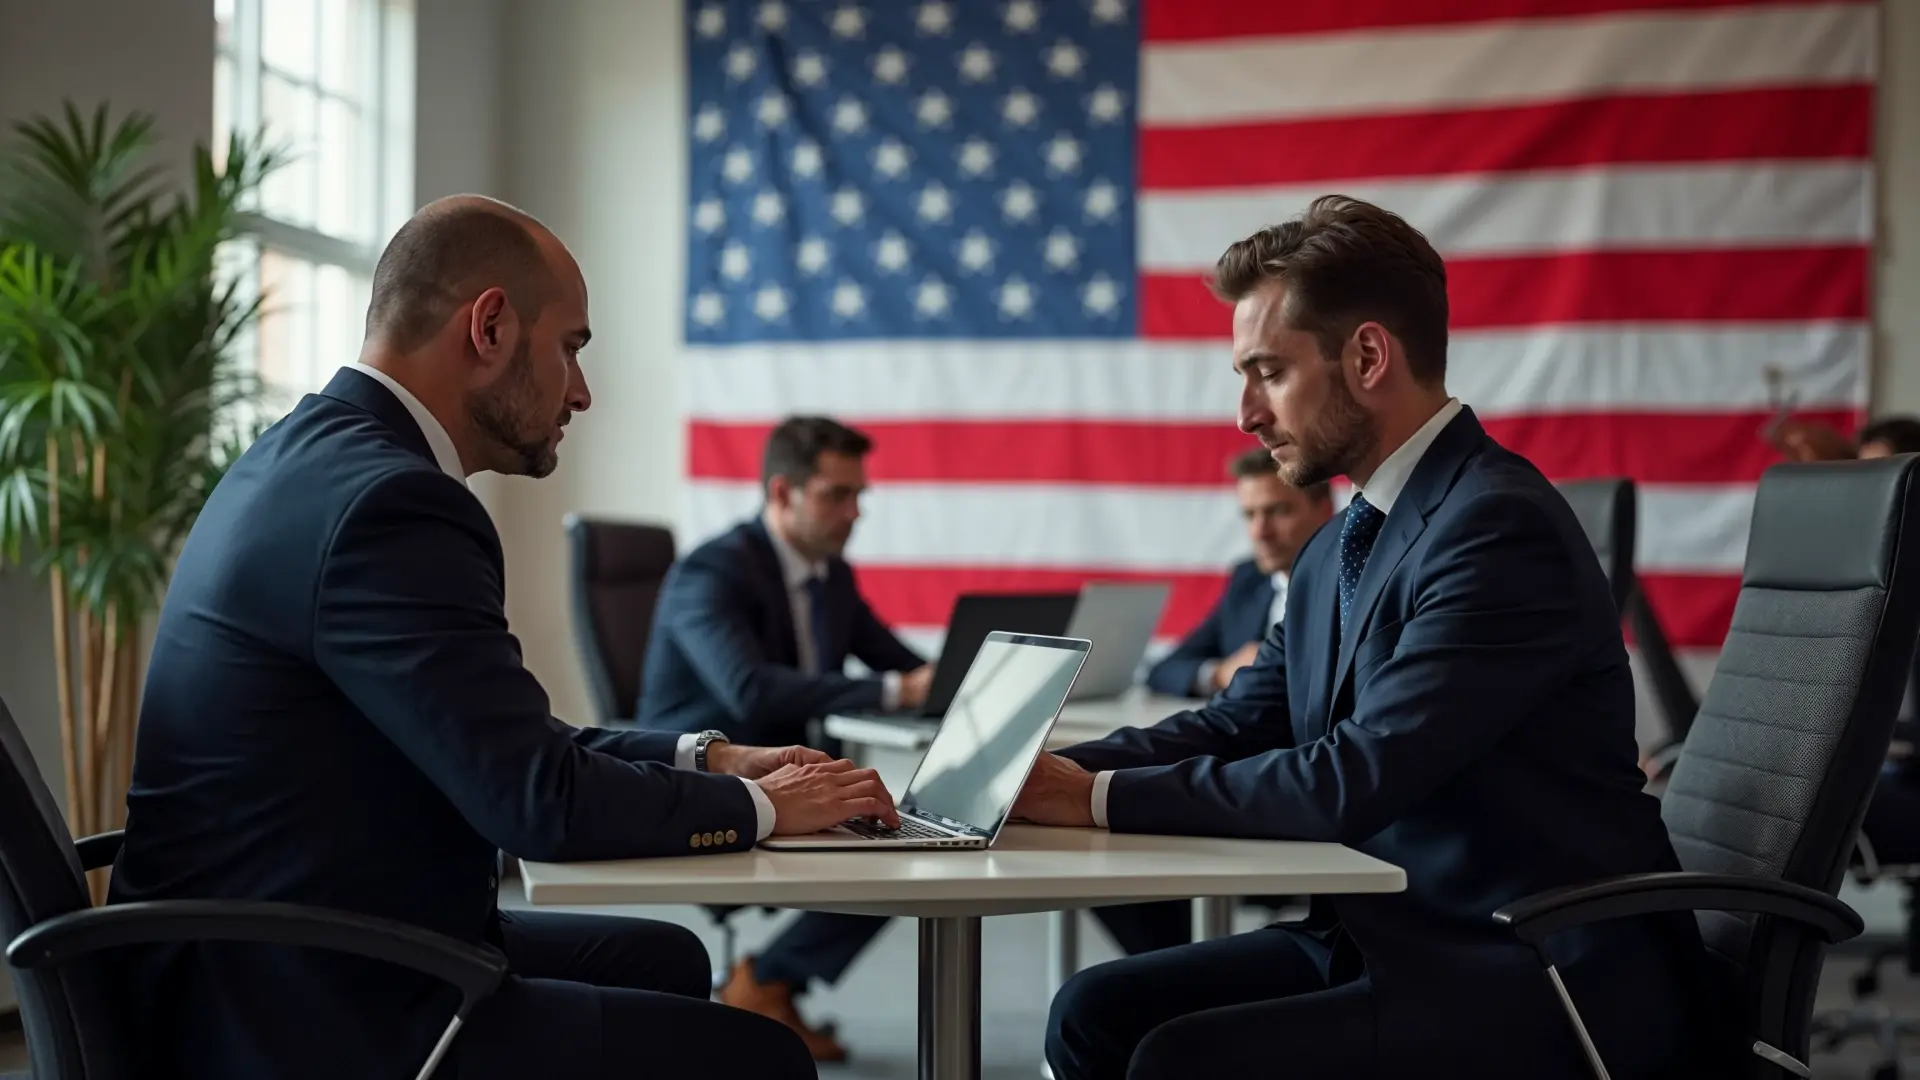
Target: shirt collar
{"x":794,"y":567}
{"x":1390,"y":479}
{"x":444,"y":455}
{"x":1279,"y":581}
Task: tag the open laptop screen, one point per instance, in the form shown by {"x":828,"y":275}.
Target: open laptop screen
{"x":994,"y":729}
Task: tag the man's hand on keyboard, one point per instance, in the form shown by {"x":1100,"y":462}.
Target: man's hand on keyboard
{"x":809,"y":798}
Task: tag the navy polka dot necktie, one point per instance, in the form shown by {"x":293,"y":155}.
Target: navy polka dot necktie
{"x":1357,"y":533}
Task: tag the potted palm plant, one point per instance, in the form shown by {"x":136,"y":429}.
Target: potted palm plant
{"x":122,"y":400}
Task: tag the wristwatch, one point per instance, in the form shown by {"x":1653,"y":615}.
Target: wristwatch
{"x":700,"y":744}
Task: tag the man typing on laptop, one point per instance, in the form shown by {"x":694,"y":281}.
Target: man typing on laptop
{"x":750,"y":637}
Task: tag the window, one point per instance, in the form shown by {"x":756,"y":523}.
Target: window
{"x":330,"y":82}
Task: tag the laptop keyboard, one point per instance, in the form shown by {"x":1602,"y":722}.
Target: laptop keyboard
{"x":909,"y":830}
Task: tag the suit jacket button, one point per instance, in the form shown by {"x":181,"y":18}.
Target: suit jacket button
{"x":732,"y":837}
{"x":694,"y":840}
{"x":706,"y":839}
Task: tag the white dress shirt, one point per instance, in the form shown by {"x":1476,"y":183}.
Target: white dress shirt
{"x":445,"y":456}
{"x":797,"y":571}
{"x":1382,"y":490}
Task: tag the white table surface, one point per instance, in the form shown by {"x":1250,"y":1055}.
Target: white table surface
{"x":1079,"y":722}
{"x":1030,"y":868}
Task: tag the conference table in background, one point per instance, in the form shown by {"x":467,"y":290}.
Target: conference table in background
{"x":948,"y":891}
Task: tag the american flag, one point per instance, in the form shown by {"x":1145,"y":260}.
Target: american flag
{"x":979,"y":230}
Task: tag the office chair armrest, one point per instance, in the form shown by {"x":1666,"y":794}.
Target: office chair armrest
{"x":1536,"y":917}
{"x":475,"y":969}
{"x":100,"y":849}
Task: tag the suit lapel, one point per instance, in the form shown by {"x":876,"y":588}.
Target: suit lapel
{"x":1323,"y":604}
{"x":1432,"y":478}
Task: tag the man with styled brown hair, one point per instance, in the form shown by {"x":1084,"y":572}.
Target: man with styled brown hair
{"x":1449,"y":692}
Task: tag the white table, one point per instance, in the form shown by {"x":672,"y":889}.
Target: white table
{"x":1028,"y":869}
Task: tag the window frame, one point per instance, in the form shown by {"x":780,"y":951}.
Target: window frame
{"x":384,"y":107}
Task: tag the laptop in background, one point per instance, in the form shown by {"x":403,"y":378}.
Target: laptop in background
{"x":1119,"y":618}
{"x":991,"y":734}
{"x":974,"y":616}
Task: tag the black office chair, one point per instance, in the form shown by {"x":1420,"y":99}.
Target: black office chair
{"x":69,"y":1008}
{"x":1605,"y":507}
{"x":616,"y":569}
{"x":1769,"y":790}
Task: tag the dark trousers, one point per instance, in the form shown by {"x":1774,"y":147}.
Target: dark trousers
{"x":594,"y":997}
{"x":1892,"y":824}
{"x":1222,"y":1008}
{"x":821,"y":946}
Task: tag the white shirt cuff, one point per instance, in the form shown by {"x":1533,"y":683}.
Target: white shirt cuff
{"x":889,"y":690}
{"x":762,"y":806}
{"x":1203,"y":679}
{"x":762,"y":811}
{"x":1100,"y":782}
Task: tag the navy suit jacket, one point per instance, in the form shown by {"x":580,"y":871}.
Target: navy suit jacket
{"x":1473,"y":726}
{"x":336,"y":714}
{"x":723,"y":653}
{"x":1239,"y":616}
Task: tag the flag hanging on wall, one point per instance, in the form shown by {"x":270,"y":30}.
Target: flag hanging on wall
{"x":979,"y":229}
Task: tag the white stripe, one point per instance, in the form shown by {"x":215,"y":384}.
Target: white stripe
{"x":1668,"y":207}
{"x":1057,"y":526}
{"x":1433,"y":68}
{"x":1692,"y":528}
{"x":1502,"y":372}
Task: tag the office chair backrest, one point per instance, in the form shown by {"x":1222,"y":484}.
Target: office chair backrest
{"x":1776,"y":773}
{"x":1605,"y":508}
{"x":40,"y":878}
{"x":617,"y":568}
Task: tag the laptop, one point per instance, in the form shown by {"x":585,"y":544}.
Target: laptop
{"x":974,"y":616}
{"x":991,"y":735}
{"x":1119,"y":618}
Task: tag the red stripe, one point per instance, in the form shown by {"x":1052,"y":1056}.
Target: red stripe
{"x":1746,"y":125}
{"x":1196,"y":20}
{"x":1733,"y":285}
{"x":923,"y":595}
{"x":1694,"y":609}
{"x":1653,"y":448}
{"x":1667,"y":448}
{"x":1004,"y":451}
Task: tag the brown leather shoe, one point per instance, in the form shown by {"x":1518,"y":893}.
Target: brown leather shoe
{"x":775,"y":1001}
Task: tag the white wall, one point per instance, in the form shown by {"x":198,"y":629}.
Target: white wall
{"x":1897,"y":297}
{"x":594,"y":136}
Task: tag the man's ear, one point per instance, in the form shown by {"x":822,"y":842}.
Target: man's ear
{"x":1369,"y":351}
{"x":493,"y":328}
{"x":779,"y":490}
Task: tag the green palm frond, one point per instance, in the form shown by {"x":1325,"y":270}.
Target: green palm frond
{"x":117,"y":335}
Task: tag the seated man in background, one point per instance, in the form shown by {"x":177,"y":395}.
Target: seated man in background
{"x":1449,"y":692}
{"x":1280,"y":519}
{"x":337,"y":714}
{"x":750,"y":636}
